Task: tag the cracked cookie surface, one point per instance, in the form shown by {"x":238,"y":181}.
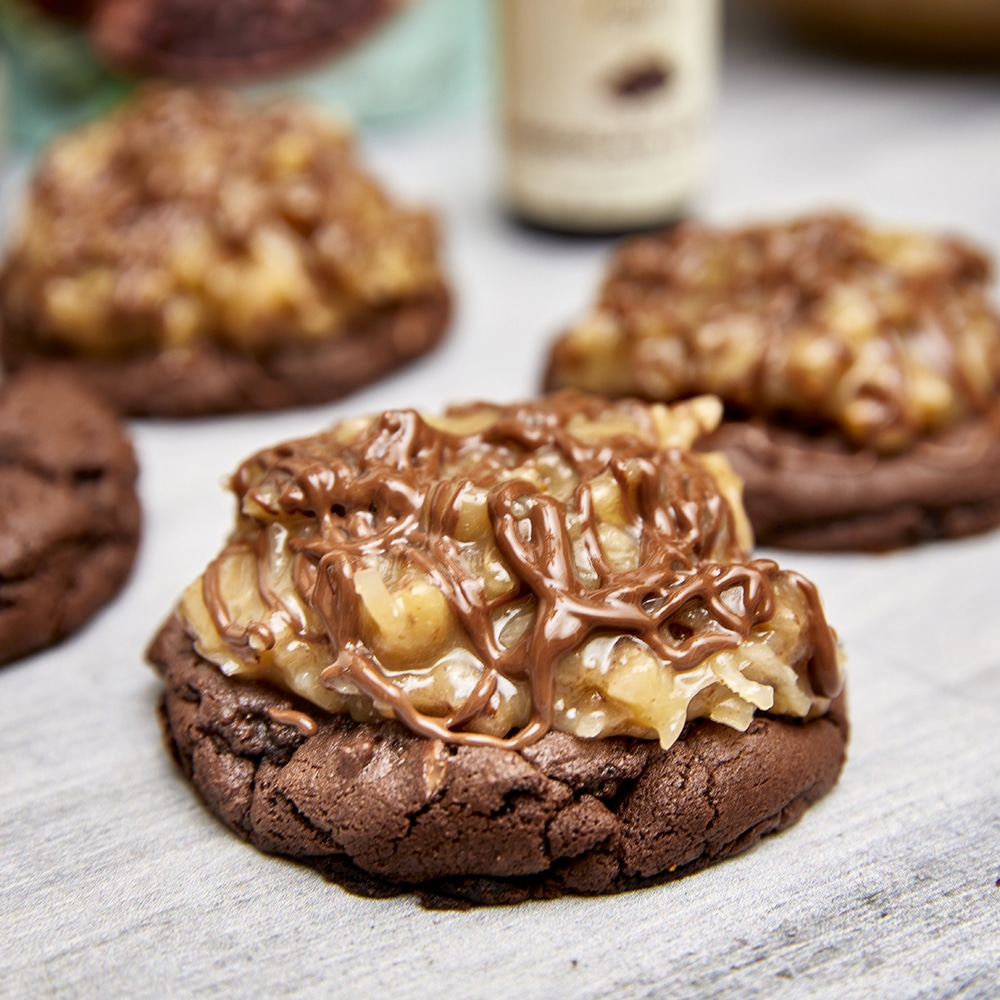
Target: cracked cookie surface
{"x":511,"y":651}
{"x":460,"y":825}
{"x":69,"y":516}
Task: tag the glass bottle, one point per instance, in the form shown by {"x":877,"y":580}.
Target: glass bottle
{"x":606,"y":109}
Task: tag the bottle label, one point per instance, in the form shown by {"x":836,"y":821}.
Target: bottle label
{"x":606,"y":106}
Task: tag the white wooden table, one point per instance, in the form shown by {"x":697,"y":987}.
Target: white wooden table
{"x":114,"y":881}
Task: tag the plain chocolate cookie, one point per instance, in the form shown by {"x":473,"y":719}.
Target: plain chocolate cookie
{"x":69,"y":516}
{"x":384,"y":812}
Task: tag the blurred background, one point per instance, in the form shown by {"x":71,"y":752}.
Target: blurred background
{"x":826,"y":82}
{"x":386,"y":62}
{"x":380,"y":62}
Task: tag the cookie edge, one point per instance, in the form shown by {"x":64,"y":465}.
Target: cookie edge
{"x":811,"y":784}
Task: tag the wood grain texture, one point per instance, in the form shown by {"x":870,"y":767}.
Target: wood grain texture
{"x":117,"y":883}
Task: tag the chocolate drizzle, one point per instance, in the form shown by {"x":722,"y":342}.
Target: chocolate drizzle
{"x":395,"y":495}
{"x":822,"y":323}
{"x":305,"y":724}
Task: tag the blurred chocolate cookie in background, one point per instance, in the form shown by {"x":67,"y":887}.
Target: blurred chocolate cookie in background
{"x":235,"y":40}
{"x":859,"y":365}
{"x":207,"y":40}
{"x":195,"y":254}
{"x":69,"y":515}
{"x":373,"y":61}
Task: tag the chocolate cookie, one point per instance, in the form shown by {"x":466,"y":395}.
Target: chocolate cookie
{"x":192,"y":255}
{"x":224,"y":42}
{"x":206,"y":378}
{"x":69,"y":516}
{"x":508,"y":652}
{"x":808,"y":493}
{"x":382,"y":811}
{"x":860,"y":369}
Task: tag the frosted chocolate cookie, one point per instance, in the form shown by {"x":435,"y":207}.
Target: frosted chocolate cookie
{"x":193,"y":255}
{"x":860,"y":369}
{"x":510,"y":652}
{"x":69,"y":516}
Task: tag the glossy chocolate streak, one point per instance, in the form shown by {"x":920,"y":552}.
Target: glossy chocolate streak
{"x":824,"y":674}
{"x":238,"y":636}
{"x":305,"y":724}
{"x":398,"y":491}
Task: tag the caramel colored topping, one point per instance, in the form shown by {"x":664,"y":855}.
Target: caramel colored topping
{"x":883,"y":336}
{"x":487,"y":575}
{"x":188,"y":217}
